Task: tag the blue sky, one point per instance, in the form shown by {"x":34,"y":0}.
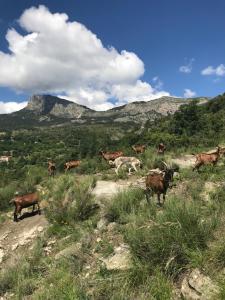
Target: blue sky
{"x":179,"y":48}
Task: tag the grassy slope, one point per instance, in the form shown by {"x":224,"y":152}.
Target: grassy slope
{"x":187,"y":233}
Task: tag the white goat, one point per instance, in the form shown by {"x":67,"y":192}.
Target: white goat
{"x":131,"y":162}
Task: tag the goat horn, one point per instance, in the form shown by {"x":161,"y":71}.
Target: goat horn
{"x":165,"y":164}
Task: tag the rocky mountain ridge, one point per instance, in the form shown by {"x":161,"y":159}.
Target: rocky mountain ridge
{"x":49,"y":110}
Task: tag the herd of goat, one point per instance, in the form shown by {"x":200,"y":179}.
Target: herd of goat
{"x":157,"y":181}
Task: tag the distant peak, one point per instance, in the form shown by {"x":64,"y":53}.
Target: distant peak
{"x":47,"y":104}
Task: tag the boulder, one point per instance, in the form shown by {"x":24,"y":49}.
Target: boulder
{"x":196,"y":286}
{"x":102,"y":223}
{"x":120,"y":260}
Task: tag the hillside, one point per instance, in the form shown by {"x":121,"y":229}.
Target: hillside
{"x":97,"y":237}
{"x":44,"y":110}
{"x":193,"y":125}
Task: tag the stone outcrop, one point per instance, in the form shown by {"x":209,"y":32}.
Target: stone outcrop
{"x":196,"y":286}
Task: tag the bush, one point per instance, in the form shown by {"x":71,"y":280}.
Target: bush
{"x":70,"y":200}
{"x":91,"y":166}
{"x":60,"y":286}
{"x":34,"y":175}
{"x":124,"y":203}
{"x":165,"y":243}
{"x":22,"y":278}
{"x":6,"y":194}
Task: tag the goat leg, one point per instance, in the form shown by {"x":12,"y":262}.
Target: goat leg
{"x":39,"y":210}
{"x":158,"y":196}
{"x":164,"y":198}
{"x":147,"y":194}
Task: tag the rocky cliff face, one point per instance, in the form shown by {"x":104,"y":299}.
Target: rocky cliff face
{"x":50,"y":105}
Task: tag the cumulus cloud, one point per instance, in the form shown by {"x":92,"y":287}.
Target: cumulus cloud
{"x":188,"y":67}
{"x":9,"y":107}
{"x":65,"y":58}
{"x":218,"y":71}
{"x":189,"y":93}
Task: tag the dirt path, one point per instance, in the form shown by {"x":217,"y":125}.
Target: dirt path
{"x":14,"y":235}
{"x":107,"y":189}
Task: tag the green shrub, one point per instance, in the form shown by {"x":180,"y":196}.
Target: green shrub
{"x":92,"y":166}
{"x":23,"y":277}
{"x":6,"y":194}
{"x":70,"y":200}
{"x":160,"y":286}
{"x":166,"y":242}
{"x":124,"y":203}
{"x":60,"y":285}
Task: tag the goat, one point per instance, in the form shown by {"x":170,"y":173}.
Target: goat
{"x":51,"y":168}
{"x":71,"y":164}
{"x":132,"y":162}
{"x":158,"y":182}
{"x":111,"y":155}
{"x":24,"y":201}
{"x":207,"y":158}
{"x":5,"y":158}
{"x":139,"y":148}
{"x":161,"y":148}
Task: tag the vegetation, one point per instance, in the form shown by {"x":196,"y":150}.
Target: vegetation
{"x":188,"y":232}
{"x":70,"y":200}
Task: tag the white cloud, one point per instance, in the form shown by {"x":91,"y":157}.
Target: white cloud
{"x":188,"y":67}
{"x":189,"y":93}
{"x":63,"y":57}
{"x":9,"y":107}
{"x":218,"y":71}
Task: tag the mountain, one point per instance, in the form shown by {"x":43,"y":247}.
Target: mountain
{"x":49,"y":110}
{"x":50,"y":105}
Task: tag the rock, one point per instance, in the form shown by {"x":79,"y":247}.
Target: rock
{"x":1,"y":255}
{"x":197,"y":286}
{"x":102,"y":223}
{"x":48,"y":250}
{"x":4,"y":236}
{"x":15,"y":246}
{"x":73,"y":249}
{"x":98,"y":240}
{"x":121,"y":260}
{"x":112,"y":226}
{"x":51,"y":242}
{"x":40,"y":229}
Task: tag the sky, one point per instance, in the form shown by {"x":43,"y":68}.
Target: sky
{"x":103,"y":53}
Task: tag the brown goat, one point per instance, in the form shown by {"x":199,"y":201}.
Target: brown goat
{"x":207,"y":158}
{"x":139,"y":148}
{"x":24,"y":201}
{"x":71,"y":164}
{"x":51,"y":168}
{"x":111,"y":155}
{"x":158,"y":183}
{"x":161,"y":148}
